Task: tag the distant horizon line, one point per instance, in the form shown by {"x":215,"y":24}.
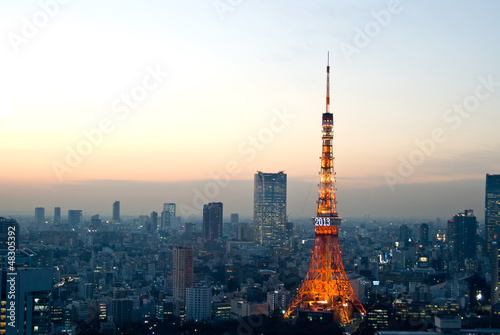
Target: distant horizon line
{"x":25,"y":214}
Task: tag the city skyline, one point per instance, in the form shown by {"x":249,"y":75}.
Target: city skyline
{"x":236,"y":98}
{"x":301,"y":201}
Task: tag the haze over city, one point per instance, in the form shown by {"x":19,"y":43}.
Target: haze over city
{"x":183,"y":102}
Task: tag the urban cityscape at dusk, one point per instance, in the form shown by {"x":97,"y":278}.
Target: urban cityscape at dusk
{"x":161,"y":176}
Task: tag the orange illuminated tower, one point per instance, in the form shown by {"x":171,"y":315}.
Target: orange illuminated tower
{"x":326,"y":287}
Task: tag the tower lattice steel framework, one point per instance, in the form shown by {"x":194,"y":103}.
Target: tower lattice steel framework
{"x":326,"y":287}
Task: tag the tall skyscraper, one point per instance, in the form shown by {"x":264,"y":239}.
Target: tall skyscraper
{"x":74,"y":217}
{"x":492,"y":209}
{"x":235,"y":218}
{"x":212,"y":221}
{"x":167,"y":215}
{"x":9,"y":227}
{"x":182,"y":271}
{"x":39,"y":215}
{"x":269,"y":209}
{"x":462,"y":237}
{"x":116,"y":212}
{"x":170,"y":207}
{"x":154,"y":221}
{"x":404,"y":235}
{"x":57,"y":215}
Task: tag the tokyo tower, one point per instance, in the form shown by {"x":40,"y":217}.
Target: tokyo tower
{"x":326,"y":288}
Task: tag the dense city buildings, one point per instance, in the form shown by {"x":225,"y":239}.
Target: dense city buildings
{"x":269,"y":215}
{"x":131,"y":275}
{"x":212,"y":221}
{"x":116,"y":212}
{"x":492,"y":208}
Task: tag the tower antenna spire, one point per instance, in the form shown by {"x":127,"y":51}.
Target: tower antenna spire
{"x":328,"y":83}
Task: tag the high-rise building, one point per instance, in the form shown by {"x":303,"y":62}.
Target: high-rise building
{"x":492,"y":209}
{"x":462,"y":236}
{"x":269,"y":213}
{"x":170,"y":207}
{"x":404,"y":235}
{"x":212,"y":221}
{"x":378,"y":316}
{"x":27,"y":311}
{"x":95,"y":225}
{"x":116,"y":212}
{"x":57,"y":314}
{"x":167,"y":215}
{"x":39,"y":215}
{"x":9,"y":227}
{"x":95,"y":220}
{"x":279,"y":299}
{"x":188,"y":229}
{"x":242,"y":231}
{"x":74,"y":217}
{"x":289,"y":227}
{"x":57,"y":215}
{"x":198,"y":301}
{"x":154,"y":221}
{"x":235,"y":218}
{"x":121,"y":310}
{"x":145,"y":222}
{"x":415,"y":232}
{"x":424,"y":233}
{"x":165,"y":220}
{"x":182,"y":271}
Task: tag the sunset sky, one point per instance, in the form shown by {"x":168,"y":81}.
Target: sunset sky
{"x":161,"y":101}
